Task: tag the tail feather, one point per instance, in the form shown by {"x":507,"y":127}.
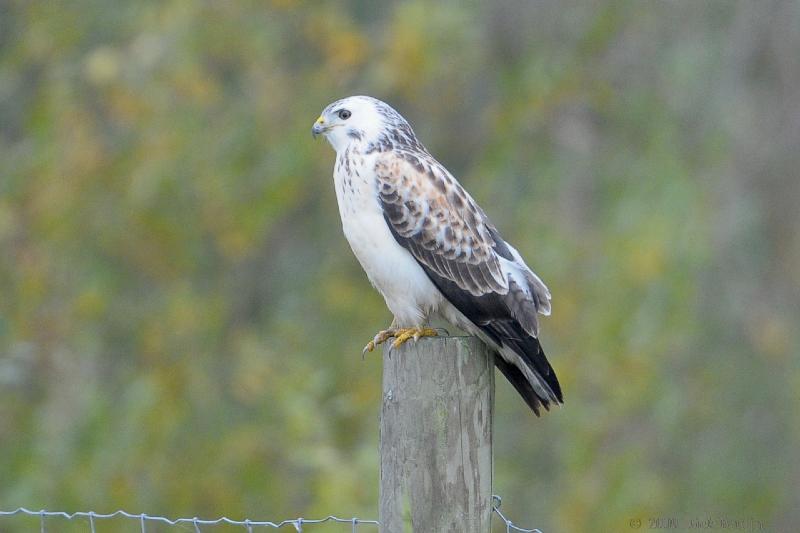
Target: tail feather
{"x":515,"y":376}
{"x":523,"y":362}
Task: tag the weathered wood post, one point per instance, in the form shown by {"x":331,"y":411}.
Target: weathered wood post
{"x":436,"y":436}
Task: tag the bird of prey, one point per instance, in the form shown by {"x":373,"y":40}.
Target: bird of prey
{"x":428,"y":247}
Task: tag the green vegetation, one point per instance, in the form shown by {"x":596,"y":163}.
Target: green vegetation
{"x":181,"y":319}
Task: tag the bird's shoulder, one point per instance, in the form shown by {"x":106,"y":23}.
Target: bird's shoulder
{"x":417,"y":176}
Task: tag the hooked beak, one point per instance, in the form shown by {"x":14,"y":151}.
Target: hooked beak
{"x":318,"y":127}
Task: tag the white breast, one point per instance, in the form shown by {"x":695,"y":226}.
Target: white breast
{"x":408,"y":292}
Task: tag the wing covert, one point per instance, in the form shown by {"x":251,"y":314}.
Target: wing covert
{"x":442,"y":226}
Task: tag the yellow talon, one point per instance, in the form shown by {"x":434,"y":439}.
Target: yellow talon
{"x":412,"y":333}
{"x":400,"y":335}
{"x":379,"y":338}
{"x":425,"y":332}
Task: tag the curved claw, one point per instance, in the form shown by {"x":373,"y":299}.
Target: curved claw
{"x":379,"y":338}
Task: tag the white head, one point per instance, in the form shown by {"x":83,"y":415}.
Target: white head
{"x":361,"y":120}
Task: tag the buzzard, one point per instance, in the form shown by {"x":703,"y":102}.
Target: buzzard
{"x":428,"y":247}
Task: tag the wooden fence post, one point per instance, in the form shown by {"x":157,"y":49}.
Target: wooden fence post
{"x":436,"y":436}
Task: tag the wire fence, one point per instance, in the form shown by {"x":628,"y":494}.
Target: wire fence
{"x":143,"y":519}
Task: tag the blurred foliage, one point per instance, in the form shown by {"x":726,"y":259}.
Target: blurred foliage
{"x":181,"y":319}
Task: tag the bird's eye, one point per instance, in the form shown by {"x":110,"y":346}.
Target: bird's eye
{"x":344,"y":114}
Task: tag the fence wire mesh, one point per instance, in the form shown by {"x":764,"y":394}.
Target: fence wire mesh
{"x":143,"y":519}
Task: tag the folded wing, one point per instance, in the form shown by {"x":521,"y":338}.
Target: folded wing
{"x":444,"y":229}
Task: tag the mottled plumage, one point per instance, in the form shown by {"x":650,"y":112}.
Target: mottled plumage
{"x":429,"y":248}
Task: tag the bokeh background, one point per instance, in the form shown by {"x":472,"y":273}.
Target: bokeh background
{"x":181,"y":319}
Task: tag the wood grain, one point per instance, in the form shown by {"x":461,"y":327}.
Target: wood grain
{"x":436,"y":436}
